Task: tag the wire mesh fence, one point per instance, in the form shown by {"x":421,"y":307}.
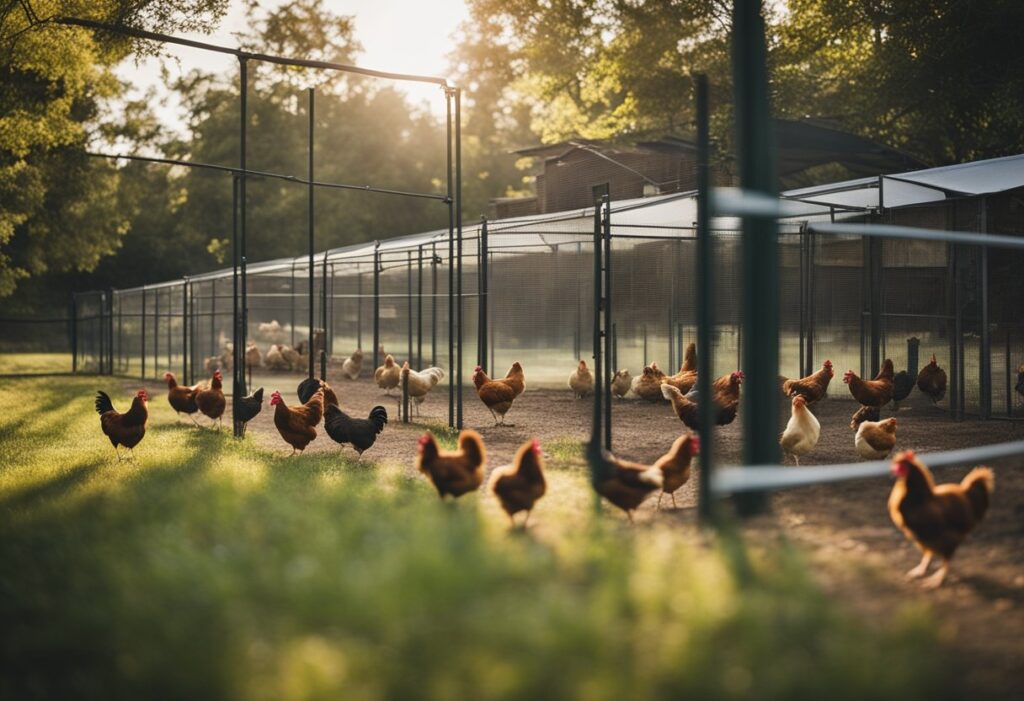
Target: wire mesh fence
{"x":528,"y":294}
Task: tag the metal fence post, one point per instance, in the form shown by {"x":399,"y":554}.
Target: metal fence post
{"x":760,"y":246}
{"x":605,"y":379}
{"x":156,"y":330}
{"x":359,"y":307}
{"x":483,"y":300}
{"x":408,"y":303}
{"x":310,"y":223}
{"x":705,"y":303}
{"x":985,"y":366}
{"x":458,"y":232}
{"x":109,"y":331}
{"x":419,"y":307}
{"x":291,"y":296}
{"x":120,"y":334}
{"x":240,"y":312}
{"x":448,"y":93}
{"x":324,"y":300}
{"x":142,"y":370}
{"x":376,"y":305}
{"x":184,"y":329}
{"x":597,"y":468}
{"x":434,"y":260}
{"x":74,"y":333}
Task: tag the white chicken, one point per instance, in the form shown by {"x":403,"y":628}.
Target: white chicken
{"x":275,"y":359}
{"x":802,"y":431}
{"x":875,"y":439}
{"x":581,"y":381}
{"x":253,"y":358}
{"x":291,"y":356}
{"x":271,"y":331}
{"x":621,"y":383}
{"x":420,"y":383}
{"x":353,"y":365}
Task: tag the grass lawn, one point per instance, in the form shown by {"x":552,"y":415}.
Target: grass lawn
{"x":34,"y":363}
{"x":213,"y":569}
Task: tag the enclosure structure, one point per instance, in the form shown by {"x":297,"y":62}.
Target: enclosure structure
{"x":528,"y":293}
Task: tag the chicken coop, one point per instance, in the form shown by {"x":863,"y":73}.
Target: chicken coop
{"x":524,"y":289}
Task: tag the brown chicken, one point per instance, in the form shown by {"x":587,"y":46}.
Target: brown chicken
{"x":625,"y":484}
{"x":648,"y":385}
{"x":581,"y":381}
{"x":498,"y":395}
{"x":865,"y":413}
{"x":874,"y":393}
{"x":297,"y":425}
{"x":127,"y":429}
{"x":936,"y":518}
{"x":675,"y":465}
{"x":725,"y":394}
{"x":875,"y":439}
{"x":813,"y":387}
{"x":453,"y":472}
{"x":181,"y":399}
{"x":932,"y":381}
{"x":520,"y":485}
{"x":388,"y":374}
{"x":210,"y":400}
{"x":686,"y":378}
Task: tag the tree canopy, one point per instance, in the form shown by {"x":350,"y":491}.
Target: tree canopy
{"x":942,"y":80}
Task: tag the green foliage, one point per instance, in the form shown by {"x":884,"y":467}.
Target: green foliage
{"x":57,"y":207}
{"x":213,"y":569}
{"x":942,"y":80}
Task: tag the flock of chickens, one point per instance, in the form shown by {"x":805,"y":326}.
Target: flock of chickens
{"x":936,"y":518}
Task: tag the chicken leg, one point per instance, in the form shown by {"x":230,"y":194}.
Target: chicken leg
{"x":935,"y":581}
{"x":922,"y":567}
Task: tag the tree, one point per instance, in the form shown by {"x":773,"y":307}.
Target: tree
{"x":56,"y":210}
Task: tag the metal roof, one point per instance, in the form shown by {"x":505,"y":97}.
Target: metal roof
{"x":675,"y":214}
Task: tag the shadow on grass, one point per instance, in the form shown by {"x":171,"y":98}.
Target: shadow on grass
{"x":53,"y":488}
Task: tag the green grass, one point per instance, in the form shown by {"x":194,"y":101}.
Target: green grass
{"x":215,"y":570}
{"x":34,"y":363}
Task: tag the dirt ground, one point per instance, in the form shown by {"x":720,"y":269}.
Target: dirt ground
{"x":845,"y":528}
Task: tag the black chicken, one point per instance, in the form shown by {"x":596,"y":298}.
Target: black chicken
{"x":903,"y":381}
{"x":1020,"y":381}
{"x":361,"y":433}
{"x":308,"y":387}
{"x":249,"y":407}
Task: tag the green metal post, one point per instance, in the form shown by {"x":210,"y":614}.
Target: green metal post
{"x":705,"y":303}
{"x":760,"y":247}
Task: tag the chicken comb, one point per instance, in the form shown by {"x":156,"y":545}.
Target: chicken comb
{"x":535,"y":446}
{"x":695,"y":442}
{"x":424,"y":439}
{"x":477,"y":368}
{"x":909,"y":455}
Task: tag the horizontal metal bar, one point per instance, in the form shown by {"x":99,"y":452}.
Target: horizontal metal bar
{"x":730,"y":480}
{"x":267,"y":174}
{"x":280,"y":60}
{"x":913,"y":233}
{"x":740,"y":203}
{"x":54,"y":320}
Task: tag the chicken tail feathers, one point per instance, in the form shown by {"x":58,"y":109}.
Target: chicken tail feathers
{"x":978,"y":485}
{"x":668,"y":391}
{"x":652,"y":475}
{"x":103,"y":403}
{"x":472,"y":446}
{"x":378,"y":417}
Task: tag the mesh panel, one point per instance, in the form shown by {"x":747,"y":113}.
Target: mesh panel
{"x":539,"y":302}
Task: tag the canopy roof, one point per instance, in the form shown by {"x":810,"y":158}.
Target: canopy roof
{"x":676,"y":214}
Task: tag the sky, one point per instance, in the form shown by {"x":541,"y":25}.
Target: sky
{"x":403,"y":36}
